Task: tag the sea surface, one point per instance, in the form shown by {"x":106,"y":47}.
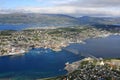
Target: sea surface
{"x":37,"y":63}
{"x":14,"y":27}
{"x":108,"y":47}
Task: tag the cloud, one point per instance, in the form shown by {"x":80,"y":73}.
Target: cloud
{"x":95,"y":7}
{"x":94,"y":3}
{"x":73,"y":10}
{"x":56,"y":2}
{"x":76,"y":7}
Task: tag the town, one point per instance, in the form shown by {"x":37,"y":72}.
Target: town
{"x":19,"y":42}
{"x":92,"y":69}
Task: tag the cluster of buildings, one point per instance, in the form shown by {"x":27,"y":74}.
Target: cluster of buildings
{"x":90,"y":69}
{"x":54,"y":39}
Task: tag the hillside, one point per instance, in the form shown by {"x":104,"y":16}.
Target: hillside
{"x":99,"y":20}
{"x":55,"y":20}
{"x":40,"y":19}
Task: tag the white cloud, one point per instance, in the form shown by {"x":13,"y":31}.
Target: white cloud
{"x":90,"y":11}
{"x":94,"y":3}
{"x":56,"y":2}
{"x":78,"y":7}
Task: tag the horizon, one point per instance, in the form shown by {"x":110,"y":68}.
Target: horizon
{"x":60,"y":14}
{"x":107,"y":8}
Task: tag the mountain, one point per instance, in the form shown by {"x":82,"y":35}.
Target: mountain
{"x":99,"y":20}
{"x":55,"y":20}
{"x":40,"y":19}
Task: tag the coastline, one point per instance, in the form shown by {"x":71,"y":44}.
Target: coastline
{"x":99,"y":61}
{"x":59,"y":48}
{"x":89,"y":65}
{"x":55,"y":39}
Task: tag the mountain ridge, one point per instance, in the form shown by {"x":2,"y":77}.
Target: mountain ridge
{"x":55,"y":19}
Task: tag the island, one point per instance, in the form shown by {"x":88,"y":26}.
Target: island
{"x":18,"y":42}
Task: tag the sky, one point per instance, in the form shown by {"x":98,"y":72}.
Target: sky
{"x":70,"y":7}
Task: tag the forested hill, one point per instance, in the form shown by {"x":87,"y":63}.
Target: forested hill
{"x":99,"y":20}
{"x":41,"y":19}
{"x":54,"y":19}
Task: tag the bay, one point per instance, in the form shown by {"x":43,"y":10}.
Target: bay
{"x":37,"y":63}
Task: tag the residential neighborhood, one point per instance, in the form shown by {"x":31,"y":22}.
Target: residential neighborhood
{"x":92,"y":69}
{"x":14,"y":42}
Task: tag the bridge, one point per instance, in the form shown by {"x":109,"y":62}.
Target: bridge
{"x":76,"y":51}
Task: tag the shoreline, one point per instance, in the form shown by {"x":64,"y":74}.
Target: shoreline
{"x":55,"y":39}
{"x":88,"y":64}
{"x":57,"y":49}
{"x":70,"y":67}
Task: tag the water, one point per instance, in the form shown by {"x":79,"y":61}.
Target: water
{"x":14,"y":27}
{"x":108,"y":47}
{"x":37,"y":63}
